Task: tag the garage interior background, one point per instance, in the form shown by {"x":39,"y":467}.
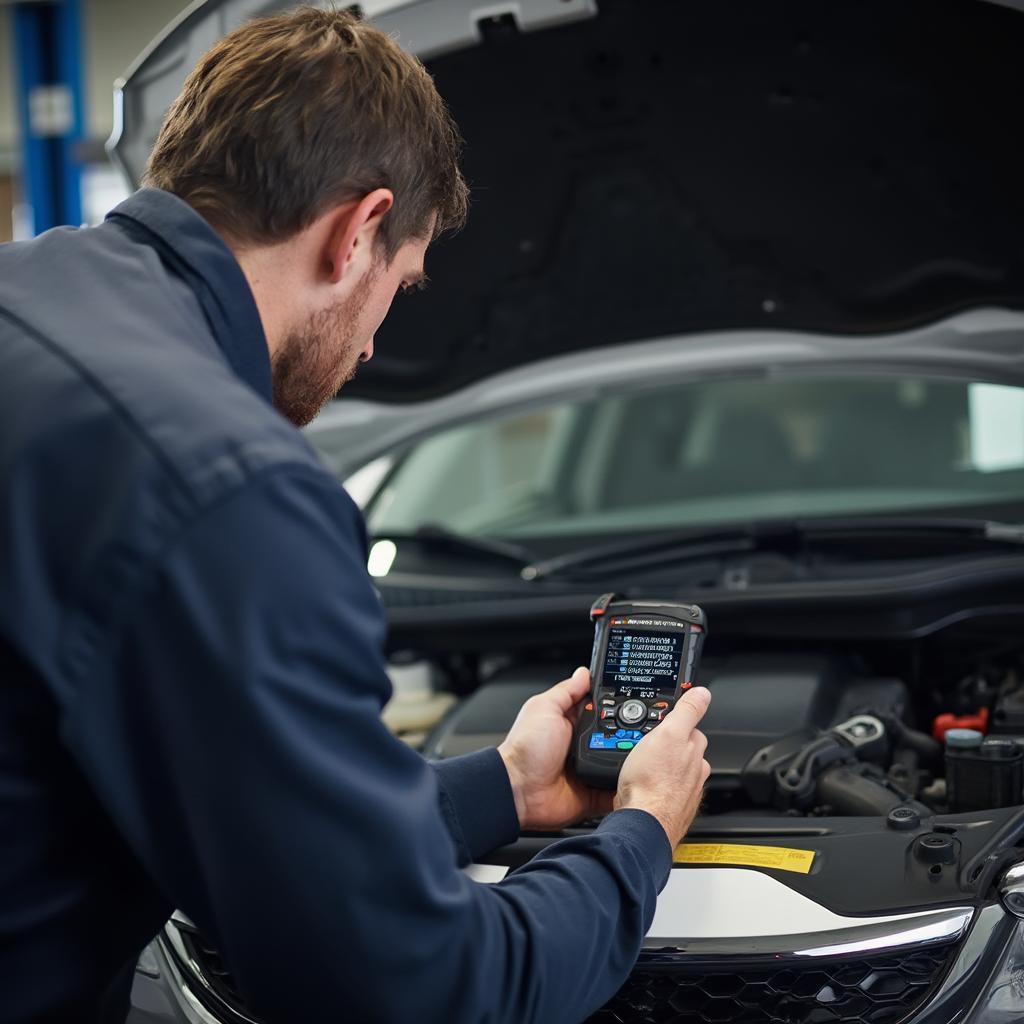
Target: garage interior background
{"x":102,"y":38}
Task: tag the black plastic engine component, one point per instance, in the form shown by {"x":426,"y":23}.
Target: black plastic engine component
{"x":903,"y":819}
{"x":989,"y":775}
{"x":831,"y":770}
{"x":757,"y":700}
{"x":1008,"y":715}
{"x":863,"y":789}
{"x":924,"y":747}
{"x":762,"y":699}
{"x":936,"y":848}
{"x":796,"y":783}
{"x":762,"y":769}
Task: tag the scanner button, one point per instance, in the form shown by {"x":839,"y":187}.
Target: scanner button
{"x":589,"y":707}
{"x":656,"y":716}
{"x":632,"y":712}
{"x":607,"y":713}
{"x":660,"y":704}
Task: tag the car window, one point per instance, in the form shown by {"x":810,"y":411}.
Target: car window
{"x":362,"y":485}
{"x":469,"y":476}
{"x":712,"y":451}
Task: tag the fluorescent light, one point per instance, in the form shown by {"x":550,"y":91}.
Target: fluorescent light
{"x":997,"y":427}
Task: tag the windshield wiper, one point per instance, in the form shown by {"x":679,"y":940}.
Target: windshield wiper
{"x":692,"y":545}
{"x":638,"y":553}
{"x":918,"y":526}
{"x":433,"y":535}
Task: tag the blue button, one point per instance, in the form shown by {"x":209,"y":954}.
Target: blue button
{"x":619,"y":733}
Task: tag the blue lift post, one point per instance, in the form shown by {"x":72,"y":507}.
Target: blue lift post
{"x":47,"y":44}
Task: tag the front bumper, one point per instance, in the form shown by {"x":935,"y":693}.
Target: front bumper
{"x":934,"y":968}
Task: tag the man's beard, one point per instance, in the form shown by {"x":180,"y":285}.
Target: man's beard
{"x":315,"y":360}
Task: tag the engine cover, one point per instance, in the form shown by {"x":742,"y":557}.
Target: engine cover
{"x":756,"y":700}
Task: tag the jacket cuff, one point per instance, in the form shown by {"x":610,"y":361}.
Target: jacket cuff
{"x":644,"y":832}
{"x":476,"y":798}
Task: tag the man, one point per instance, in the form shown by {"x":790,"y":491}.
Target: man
{"x":190,"y":648}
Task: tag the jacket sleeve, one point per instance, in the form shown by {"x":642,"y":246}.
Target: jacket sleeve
{"x":232,"y":732}
{"x":477,"y":803}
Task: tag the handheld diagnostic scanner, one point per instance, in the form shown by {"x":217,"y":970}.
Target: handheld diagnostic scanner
{"x":645,"y":657}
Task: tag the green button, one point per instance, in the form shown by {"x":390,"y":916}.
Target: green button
{"x":624,"y":745}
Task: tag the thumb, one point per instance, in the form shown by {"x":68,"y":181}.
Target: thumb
{"x":691,"y":706}
{"x":572,"y":690}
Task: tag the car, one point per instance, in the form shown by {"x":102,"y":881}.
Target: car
{"x":738,"y":319}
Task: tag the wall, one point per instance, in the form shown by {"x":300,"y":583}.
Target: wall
{"x":8,"y":118}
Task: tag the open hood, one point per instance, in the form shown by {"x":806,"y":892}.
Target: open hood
{"x":645,"y":168}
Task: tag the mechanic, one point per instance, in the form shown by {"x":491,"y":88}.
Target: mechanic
{"x":191,"y":651}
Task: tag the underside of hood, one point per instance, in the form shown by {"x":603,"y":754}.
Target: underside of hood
{"x":653,"y":167}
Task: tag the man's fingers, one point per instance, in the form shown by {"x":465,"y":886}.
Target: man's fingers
{"x":691,"y":706}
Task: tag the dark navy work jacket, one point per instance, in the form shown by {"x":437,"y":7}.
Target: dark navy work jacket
{"x":191,"y":676}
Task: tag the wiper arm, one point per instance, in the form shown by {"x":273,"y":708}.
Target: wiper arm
{"x":433,"y":535}
{"x":652,"y":551}
{"x":691,"y":545}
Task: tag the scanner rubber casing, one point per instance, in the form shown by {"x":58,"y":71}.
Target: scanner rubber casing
{"x":600,"y":768}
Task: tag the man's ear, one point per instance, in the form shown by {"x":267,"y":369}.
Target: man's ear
{"x":353,"y":232}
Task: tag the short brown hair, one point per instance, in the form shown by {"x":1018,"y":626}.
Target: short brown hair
{"x":292,"y":113}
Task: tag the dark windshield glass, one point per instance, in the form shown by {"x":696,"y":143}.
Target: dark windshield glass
{"x":712,"y":452}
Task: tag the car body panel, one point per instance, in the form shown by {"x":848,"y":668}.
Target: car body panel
{"x":658,"y":169}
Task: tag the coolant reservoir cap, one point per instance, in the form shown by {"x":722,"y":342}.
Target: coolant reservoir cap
{"x":963,"y":739}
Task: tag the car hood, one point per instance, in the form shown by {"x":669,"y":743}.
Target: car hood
{"x":650,"y":168}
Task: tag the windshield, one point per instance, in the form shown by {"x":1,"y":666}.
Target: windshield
{"x":731,"y":450}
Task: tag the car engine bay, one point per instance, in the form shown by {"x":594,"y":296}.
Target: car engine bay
{"x":802,"y":730}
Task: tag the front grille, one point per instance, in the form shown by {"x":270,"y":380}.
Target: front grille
{"x":860,"y":990}
{"x":219,"y":993}
{"x":866,"y":989}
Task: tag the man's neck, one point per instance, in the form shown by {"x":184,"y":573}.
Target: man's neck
{"x":270,"y":271}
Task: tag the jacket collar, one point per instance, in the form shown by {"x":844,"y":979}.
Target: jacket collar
{"x":196,"y":252}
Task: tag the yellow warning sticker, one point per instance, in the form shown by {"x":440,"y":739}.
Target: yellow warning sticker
{"x":779,"y":857}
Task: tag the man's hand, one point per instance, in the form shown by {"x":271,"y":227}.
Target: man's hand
{"x":535,"y":752}
{"x":665,"y":773}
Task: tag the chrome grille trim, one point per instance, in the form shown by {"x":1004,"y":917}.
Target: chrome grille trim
{"x":930,"y":928}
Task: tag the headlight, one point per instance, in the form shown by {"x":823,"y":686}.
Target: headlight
{"x":1003,"y":1002}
